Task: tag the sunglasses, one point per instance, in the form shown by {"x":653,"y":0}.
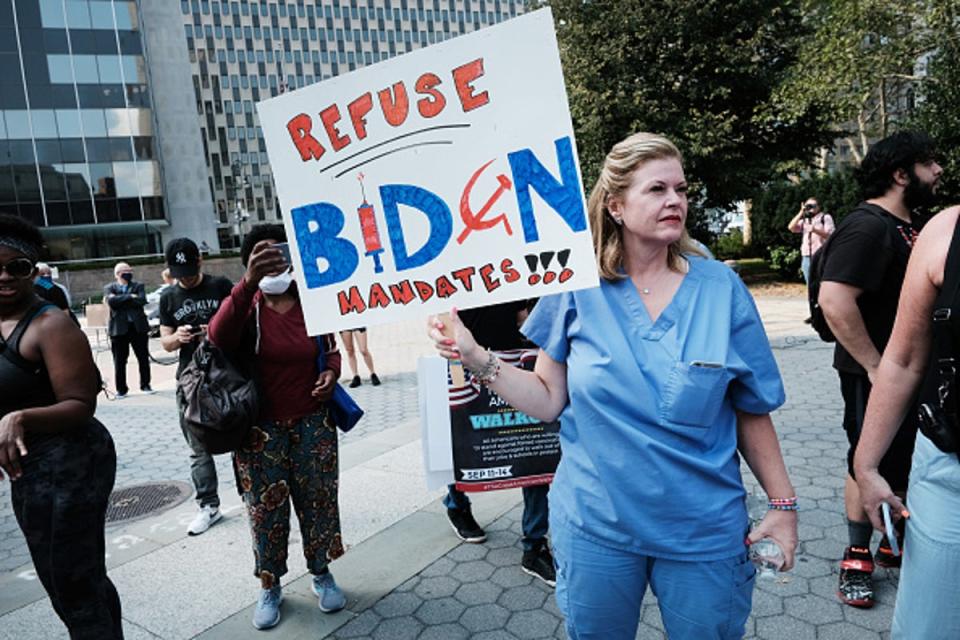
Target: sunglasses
{"x":18,"y":268}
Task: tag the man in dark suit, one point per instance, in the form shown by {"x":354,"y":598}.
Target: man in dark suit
{"x":128,"y":327}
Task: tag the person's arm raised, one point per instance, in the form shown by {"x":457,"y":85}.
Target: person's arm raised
{"x":541,"y":393}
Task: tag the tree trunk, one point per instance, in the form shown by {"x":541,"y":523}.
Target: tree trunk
{"x":747,"y":223}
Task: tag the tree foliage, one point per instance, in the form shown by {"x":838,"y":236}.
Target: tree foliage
{"x":938,"y":112}
{"x":701,"y":72}
{"x":860,"y":65}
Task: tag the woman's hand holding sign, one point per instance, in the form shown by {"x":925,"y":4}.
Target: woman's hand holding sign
{"x":454,"y":341}
{"x":541,"y":393}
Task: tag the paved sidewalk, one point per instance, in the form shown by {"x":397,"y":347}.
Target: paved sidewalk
{"x":406,"y":575}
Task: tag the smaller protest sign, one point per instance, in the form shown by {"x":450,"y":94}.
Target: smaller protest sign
{"x":494,"y":445}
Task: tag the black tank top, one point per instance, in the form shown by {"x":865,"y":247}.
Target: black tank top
{"x":945,"y":328}
{"x":23,"y":384}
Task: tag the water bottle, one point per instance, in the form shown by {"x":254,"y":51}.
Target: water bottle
{"x":766,"y":554}
{"x":767,"y":557}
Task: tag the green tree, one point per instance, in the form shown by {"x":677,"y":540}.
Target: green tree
{"x":938,"y":111}
{"x":701,"y":72}
{"x":859,"y":66}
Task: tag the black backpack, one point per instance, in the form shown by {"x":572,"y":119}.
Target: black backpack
{"x":221,"y":399}
{"x":817,"y":262}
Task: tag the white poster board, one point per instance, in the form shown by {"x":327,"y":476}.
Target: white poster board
{"x":444,"y":177}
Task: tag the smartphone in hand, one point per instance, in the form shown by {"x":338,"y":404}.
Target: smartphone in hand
{"x":284,"y":248}
{"x":888,"y":525}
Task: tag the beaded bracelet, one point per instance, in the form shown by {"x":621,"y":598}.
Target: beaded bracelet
{"x":489,"y":371}
{"x":783,"y":504}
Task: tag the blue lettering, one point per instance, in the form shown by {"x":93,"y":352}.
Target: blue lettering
{"x":564,"y":197}
{"x":437,"y":212}
{"x":317,"y":226}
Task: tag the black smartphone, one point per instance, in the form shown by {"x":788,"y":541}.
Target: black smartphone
{"x":284,"y":248}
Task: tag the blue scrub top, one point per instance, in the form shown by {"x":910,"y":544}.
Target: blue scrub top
{"x":649,"y":432}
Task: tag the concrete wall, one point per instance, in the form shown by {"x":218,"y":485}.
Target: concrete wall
{"x":185,"y":184}
{"x":89,"y":283}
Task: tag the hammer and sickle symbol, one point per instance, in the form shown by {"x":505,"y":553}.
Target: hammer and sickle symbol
{"x":476,"y":221}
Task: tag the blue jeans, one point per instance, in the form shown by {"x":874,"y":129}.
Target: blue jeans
{"x":600,"y":590}
{"x":930,"y":577}
{"x":536,"y":515}
{"x":805,"y":268}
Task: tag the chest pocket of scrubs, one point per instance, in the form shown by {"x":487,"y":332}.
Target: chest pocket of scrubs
{"x":694,"y":393}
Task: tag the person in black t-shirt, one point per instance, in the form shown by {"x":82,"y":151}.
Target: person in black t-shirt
{"x":185,"y":311}
{"x":498,"y":327}
{"x":863,"y":273}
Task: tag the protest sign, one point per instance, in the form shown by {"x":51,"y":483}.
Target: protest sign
{"x":471,"y":437}
{"x":444,"y":177}
{"x":494,"y":445}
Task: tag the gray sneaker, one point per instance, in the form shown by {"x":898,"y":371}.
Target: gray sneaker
{"x":267,"y":612}
{"x":331,"y":597}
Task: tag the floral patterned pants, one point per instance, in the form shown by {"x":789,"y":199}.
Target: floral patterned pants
{"x":284,"y":460}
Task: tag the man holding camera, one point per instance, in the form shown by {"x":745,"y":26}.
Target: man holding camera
{"x":185,"y":311}
{"x":816,"y":226}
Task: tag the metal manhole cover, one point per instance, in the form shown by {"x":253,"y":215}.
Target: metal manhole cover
{"x":142,"y":500}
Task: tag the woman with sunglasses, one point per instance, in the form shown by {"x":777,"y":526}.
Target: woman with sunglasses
{"x":59,"y":458}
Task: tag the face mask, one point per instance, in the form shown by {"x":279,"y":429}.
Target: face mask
{"x":276,"y":285}
{"x":47,"y":278}
{"x":126,"y":277}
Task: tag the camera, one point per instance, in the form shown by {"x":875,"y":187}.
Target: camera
{"x":938,"y":427}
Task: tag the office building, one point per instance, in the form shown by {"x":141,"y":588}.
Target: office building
{"x":244,"y":51}
{"x":79,"y":154}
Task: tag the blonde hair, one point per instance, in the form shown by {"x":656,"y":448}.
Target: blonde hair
{"x":615,"y":178}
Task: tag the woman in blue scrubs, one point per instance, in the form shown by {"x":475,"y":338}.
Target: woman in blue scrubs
{"x":660,"y":377}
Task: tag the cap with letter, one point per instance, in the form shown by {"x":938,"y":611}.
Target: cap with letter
{"x":183,"y":258}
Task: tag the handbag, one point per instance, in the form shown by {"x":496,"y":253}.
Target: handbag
{"x":221,"y":401}
{"x":343,"y":409}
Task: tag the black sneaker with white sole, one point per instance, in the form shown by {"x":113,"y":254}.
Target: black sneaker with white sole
{"x":465,"y":526}
{"x":538,"y":562}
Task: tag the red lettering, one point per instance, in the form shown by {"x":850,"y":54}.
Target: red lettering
{"x":353,"y":303}
{"x":565,"y":275}
{"x":330,"y":116}
{"x":465,"y":276}
{"x":402,"y":293}
{"x":394,"y":104}
{"x":378,"y":297}
{"x":424,"y":290}
{"x":299,"y":128}
{"x":509,"y":273}
{"x":462,"y":77}
{"x":533,"y":279}
{"x":549,"y":277}
{"x":488,"y":282}
{"x":358,"y":109}
{"x":445,"y":288}
{"x":435,"y":102}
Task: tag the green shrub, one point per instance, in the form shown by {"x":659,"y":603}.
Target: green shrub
{"x":729,"y":246}
{"x":776,"y":204}
{"x":786,"y":262}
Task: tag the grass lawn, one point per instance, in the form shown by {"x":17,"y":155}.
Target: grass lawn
{"x":762,"y":280}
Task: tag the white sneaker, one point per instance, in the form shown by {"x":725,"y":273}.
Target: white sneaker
{"x":204,"y":519}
